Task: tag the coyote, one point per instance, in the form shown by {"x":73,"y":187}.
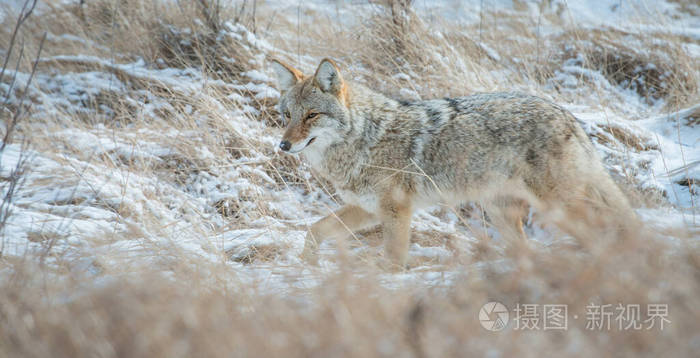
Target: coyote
{"x":387,"y":157}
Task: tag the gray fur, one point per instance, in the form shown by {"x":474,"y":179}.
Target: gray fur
{"x":477,"y":148}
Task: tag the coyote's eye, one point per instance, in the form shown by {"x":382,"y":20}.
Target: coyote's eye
{"x":287,"y":115}
{"x":311,"y":115}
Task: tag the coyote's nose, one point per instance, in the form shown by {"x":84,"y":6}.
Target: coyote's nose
{"x":285,"y":145}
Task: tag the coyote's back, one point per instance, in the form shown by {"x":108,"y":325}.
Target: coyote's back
{"x":488,"y":144}
{"x":387,"y":157}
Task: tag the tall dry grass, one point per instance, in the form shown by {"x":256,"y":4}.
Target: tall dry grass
{"x":164,"y":301}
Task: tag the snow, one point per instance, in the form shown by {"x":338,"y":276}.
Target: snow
{"x":678,"y":157}
{"x":89,"y":206}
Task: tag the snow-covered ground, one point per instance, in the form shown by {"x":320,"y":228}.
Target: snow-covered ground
{"x":155,"y":184}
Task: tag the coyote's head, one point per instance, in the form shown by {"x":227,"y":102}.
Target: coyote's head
{"x":314,"y":108}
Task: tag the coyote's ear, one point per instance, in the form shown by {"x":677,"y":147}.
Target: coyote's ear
{"x":287,"y":76}
{"x":328,"y":77}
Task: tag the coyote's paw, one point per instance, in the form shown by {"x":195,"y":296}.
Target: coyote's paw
{"x":392,"y":263}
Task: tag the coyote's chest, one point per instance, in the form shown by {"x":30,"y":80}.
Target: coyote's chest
{"x":343,"y":168}
{"x":337,"y":163}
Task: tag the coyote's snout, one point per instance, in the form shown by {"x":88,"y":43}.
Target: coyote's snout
{"x":386,"y":157}
{"x":316,"y":110}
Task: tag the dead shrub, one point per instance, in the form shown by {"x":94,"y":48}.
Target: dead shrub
{"x":224,"y":57}
{"x":626,"y":138}
{"x":397,"y":39}
{"x":691,"y":183}
{"x":191,"y":34}
{"x":656,"y":70}
{"x":257,"y":253}
{"x":228,"y":208}
{"x":178,"y":168}
{"x":284,"y":169}
{"x":693,"y":119}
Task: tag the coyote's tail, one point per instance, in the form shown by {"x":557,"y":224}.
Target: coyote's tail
{"x":607,"y":197}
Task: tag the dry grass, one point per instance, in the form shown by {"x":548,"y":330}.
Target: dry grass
{"x":655,"y":69}
{"x":198,"y":311}
{"x":86,"y":296}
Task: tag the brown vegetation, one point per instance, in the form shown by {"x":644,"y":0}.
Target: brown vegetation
{"x":86,"y":296}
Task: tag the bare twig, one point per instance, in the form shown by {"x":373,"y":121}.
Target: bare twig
{"x":20,"y":20}
{"x":255,"y":6}
{"x":17,"y":116}
{"x":211,"y":11}
{"x":15,"y":178}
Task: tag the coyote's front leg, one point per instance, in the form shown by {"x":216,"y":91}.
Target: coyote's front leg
{"x":341,"y":223}
{"x":396,"y":226}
